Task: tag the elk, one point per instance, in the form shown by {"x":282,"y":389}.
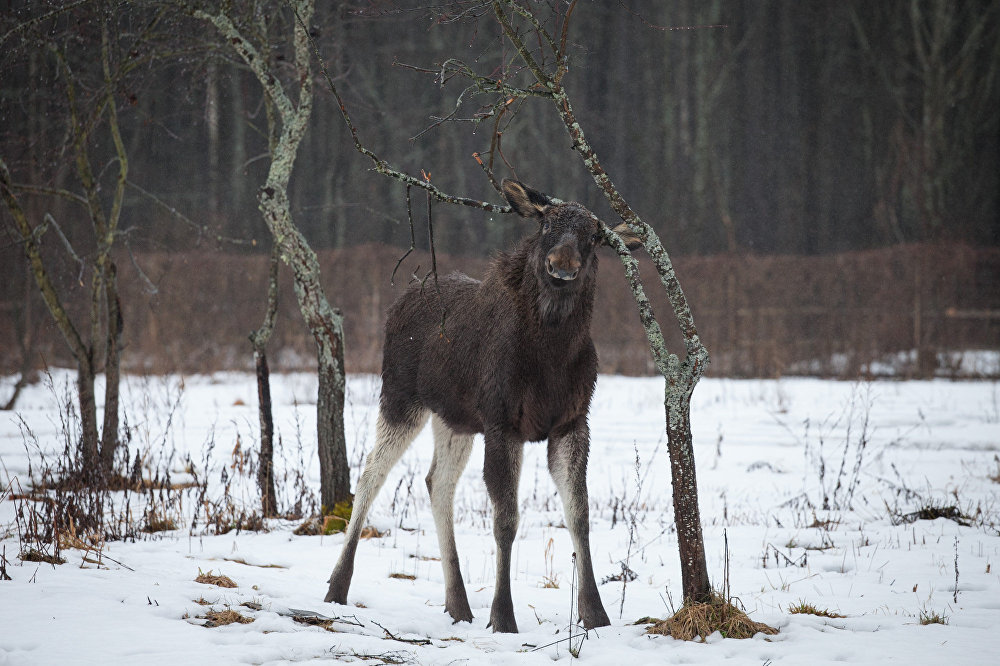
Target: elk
{"x":514,"y":361}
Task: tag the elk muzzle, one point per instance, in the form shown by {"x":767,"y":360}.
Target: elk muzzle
{"x":563,"y":263}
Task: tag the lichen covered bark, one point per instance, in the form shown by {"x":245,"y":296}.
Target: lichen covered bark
{"x":325,"y":323}
{"x":680,"y":377}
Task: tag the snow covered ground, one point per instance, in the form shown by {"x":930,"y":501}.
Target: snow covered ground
{"x":768,"y":453}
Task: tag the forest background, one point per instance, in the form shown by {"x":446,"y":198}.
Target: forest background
{"x":826,"y":175}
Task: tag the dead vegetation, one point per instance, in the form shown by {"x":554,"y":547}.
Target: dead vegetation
{"x":213,"y":579}
{"x":932,"y":617}
{"x":803,"y":608}
{"x":220,"y":618}
{"x":402,"y":576}
{"x":698,"y":621}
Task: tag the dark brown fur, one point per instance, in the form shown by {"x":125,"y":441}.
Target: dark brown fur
{"x":510,"y":357}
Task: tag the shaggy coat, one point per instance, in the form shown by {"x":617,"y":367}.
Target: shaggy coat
{"x":510,"y":357}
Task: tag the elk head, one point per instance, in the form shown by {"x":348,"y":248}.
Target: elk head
{"x":562,"y":253}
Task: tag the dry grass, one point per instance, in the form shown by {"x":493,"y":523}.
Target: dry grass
{"x":932,"y":617}
{"x":402,"y":576}
{"x":700,"y":620}
{"x":211,"y":579}
{"x":229,"y":616}
{"x":312,"y":621}
{"x":240,"y":560}
{"x":802,"y":608}
{"x":33,"y":555}
{"x":370,"y":532}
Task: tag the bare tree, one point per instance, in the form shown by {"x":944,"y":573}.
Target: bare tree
{"x":292,"y":100}
{"x":89,"y":108}
{"x":259,"y":340}
{"x":535,"y":70}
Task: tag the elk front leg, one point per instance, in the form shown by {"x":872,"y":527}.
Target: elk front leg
{"x":568,"y":452}
{"x":502,"y":472}
{"x":391,"y":441}
{"x":451,"y":454}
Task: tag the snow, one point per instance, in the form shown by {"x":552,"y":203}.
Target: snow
{"x":768,"y":452}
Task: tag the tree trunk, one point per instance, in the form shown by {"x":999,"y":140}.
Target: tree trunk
{"x":265,"y":469}
{"x":325,"y":324}
{"x":327,"y":328}
{"x":90,"y":467}
{"x":259,"y":339}
{"x":687,"y":517}
{"x":333,"y":465}
{"x":112,"y":370}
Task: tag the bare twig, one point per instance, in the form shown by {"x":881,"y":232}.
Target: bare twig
{"x":413,"y":241}
{"x":382,"y":166}
{"x":394,"y":637}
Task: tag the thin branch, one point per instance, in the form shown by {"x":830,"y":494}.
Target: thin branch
{"x":411,"y":641}
{"x":563,"y":63}
{"x":522,"y":50}
{"x":150,"y":288}
{"x":668,"y":28}
{"x":44,"y":17}
{"x":42,"y":228}
{"x":382,"y":166}
{"x":52,"y":191}
{"x":530,"y":18}
{"x":413,"y":240}
{"x":252,"y":57}
{"x":45,"y":285}
{"x":202,"y":229}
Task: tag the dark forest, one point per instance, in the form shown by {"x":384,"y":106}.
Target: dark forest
{"x":741,"y":131}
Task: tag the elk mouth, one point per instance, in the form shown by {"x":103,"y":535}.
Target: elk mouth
{"x":558,"y":275}
{"x":559,"y":283}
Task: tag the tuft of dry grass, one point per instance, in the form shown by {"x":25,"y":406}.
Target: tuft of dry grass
{"x":217,"y":618}
{"x":802,"y":608}
{"x":402,"y":576}
{"x":33,"y":555}
{"x":240,"y":560}
{"x":700,"y":620}
{"x":312,"y":621}
{"x":211,"y":579}
{"x":932,"y":617}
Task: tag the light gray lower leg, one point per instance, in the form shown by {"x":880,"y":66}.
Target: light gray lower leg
{"x":451,"y":454}
{"x":568,"y":466}
{"x":391,"y":441}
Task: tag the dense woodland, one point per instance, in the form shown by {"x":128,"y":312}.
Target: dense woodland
{"x":736,"y":128}
{"x":783,"y":127}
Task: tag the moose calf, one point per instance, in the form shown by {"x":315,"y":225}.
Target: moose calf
{"x":513,"y":360}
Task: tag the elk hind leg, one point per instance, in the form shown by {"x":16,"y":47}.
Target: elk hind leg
{"x":451,"y":454}
{"x":391,"y":441}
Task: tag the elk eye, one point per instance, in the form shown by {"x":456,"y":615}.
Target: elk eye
{"x":545,"y":227}
{"x":596,"y":238}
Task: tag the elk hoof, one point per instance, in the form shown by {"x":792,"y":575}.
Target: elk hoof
{"x":460,"y":616}
{"x":502,"y":623}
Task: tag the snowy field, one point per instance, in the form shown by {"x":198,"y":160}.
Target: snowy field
{"x":769,"y":455}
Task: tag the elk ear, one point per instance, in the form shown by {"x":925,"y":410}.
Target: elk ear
{"x":632,"y":241}
{"x":525,"y":201}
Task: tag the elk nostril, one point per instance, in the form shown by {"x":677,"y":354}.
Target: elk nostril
{"x":549,"y":268}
